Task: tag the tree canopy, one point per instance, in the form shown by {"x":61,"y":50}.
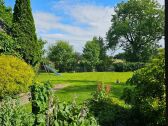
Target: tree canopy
{"x":61,"y":53}
{"x":24,"y":32}
{"x":91,"y":53}
{"x":137,"y":26}
{"x":5,"y":17}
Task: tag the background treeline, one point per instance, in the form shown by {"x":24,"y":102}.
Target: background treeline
{"x":127,"y":31}
{"x":62,"y":57}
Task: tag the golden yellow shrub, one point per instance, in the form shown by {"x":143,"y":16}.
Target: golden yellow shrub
{"x":15,"y":75}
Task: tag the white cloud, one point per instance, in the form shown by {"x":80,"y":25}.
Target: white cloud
{"x":96,"y":18}
{"x":44,"y":21}
{"x":96,"y":21}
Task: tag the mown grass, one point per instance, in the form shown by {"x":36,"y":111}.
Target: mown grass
{"x":81,"y":85}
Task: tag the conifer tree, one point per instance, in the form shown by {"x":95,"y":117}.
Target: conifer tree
{"x":24,"y":32}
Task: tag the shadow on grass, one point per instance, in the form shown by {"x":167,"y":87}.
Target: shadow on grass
{"x":73,"y":81}
{"x":85,"y":81}
{"x":81,"y":88}
{"x":116,"y":90}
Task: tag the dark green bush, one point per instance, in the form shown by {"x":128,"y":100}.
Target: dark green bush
{"x":127,"y":66}
{"x":7,"y":45}
{"x":148,"y":96}
{"x":40,"y":94}
{"x":105,"y":109}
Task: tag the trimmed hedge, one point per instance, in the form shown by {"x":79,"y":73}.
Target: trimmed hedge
{"x":15,"y":75}
{"x":126,"y":66}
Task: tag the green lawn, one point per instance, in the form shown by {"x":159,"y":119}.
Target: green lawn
{"x":81,"y":85}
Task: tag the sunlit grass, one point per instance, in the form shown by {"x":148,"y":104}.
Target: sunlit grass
{"x":81,"y":85}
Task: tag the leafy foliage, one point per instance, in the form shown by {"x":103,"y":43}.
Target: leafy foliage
{"x":5,"y":17}
{"x":120,"y":56}
{"x":62,"y":55}
{"x":105,"y":109}
{"x":104,"y":60}
{"x":8,"y":45}
{"x":91,"y":53}
{"x":15,"y":75}
{"x":23,"y":32}
{"x":12,"y":114}
{"x":127,"y":66}
{"x":71,"y":114}
{"x":40,"y":101}
{"x":148,"y":96}
{"x":137,"y":26}
{"x":54,"y":113}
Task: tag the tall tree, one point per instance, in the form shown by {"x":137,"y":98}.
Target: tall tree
{"x":7,"y":44}
{"x":103,"y":63}
{"x":91,"y":53}
{"x":62,"y":55}
{"x":24,"y":32}
{"x":137,"y":26}
{"x":5,"y":17}
{"x":103,"y":48}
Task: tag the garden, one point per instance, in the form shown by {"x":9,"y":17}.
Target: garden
{"x":61,"y":87}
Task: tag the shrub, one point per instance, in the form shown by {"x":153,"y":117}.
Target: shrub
{"x":148,"y":96}
{"x":7,"y":45}
{"x":127,"y":66}
{"x":71,"y":114}
{"x":49,"y":111}
{"x":105,"y":109}
{"x":15,"y":75}
{"x":40,"y":94}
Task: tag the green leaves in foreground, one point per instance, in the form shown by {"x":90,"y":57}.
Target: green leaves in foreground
{"x":148,"y":96}
{"x":47,"y":111}
{"x":12,"y":114}
{"x":70,"y":114}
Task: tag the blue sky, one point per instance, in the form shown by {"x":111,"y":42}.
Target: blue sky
{"x":75,"y":21}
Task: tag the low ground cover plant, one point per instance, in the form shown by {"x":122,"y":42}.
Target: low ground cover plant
{"x":12,"y":114}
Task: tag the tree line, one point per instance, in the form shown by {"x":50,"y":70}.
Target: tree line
{"x":136,"y":27}
{"x":66,"y":59}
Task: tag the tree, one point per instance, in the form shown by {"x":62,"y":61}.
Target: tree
{"x":137,"y":26}
{"x":103,"y":48}
{"x":62,"y":55}
{"x":5,"y":17}
{"x":103,"y":63}
{"x":91,"y":53}
{"x":24,"y":32}
{"x":77,"y":62}
{"x":120,"y":56}
{"x":7,"y":44}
